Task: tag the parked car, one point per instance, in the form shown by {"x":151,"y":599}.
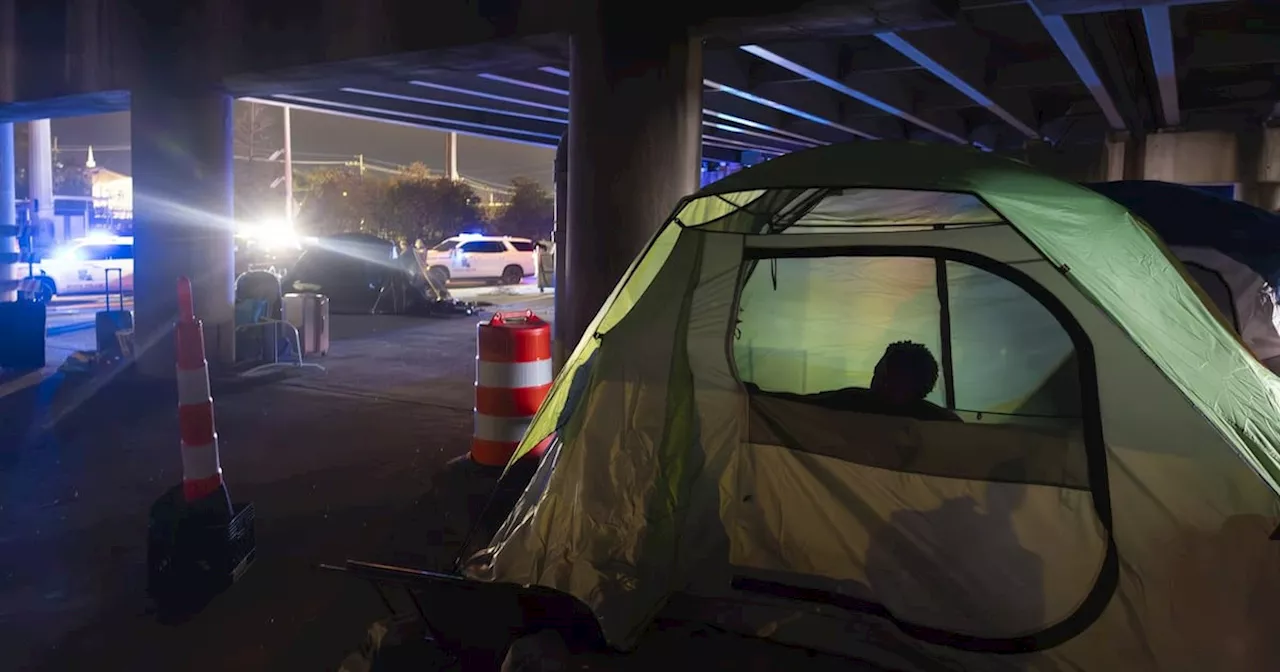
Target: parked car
{"x":82,"y":267}
{"x":351,"y":269}
{"x":472,"y":257}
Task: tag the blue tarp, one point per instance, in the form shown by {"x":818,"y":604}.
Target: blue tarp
{"x":1187,"y":216}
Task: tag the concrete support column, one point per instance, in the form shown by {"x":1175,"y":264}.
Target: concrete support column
{"x":40,"y":172}
{"x":559,"y":348}
{"x":635,"y":119}
{"x":9,"y":252}
{"x":182,"y":218}
{"x":1119,"y":158}
{"x":1269,"y":170}
{"x":1201,"y":157}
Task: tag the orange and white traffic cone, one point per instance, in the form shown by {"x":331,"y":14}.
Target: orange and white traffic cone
{"x":201,"y":470}
{"x":198,"y":543}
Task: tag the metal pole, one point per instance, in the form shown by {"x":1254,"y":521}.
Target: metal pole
{"x":559,"y":240}
{"x":288,"y":167}
{"x":451,"y":157}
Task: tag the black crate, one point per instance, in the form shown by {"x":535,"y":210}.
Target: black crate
{"x":192,"y":556}
{"x":242,"y":541}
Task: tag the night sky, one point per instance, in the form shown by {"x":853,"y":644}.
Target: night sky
{"x":328,"y":137}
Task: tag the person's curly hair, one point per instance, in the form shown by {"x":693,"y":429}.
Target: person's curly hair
{"x":913,"y":362}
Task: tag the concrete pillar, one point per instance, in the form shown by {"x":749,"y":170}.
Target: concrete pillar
{"x":559,"y":348}
{"x":40,"y":172}
{"x":1269,"y":170}
{"x":1120,"y":158}
{"x":182,"y":218}
{"x":1201,"y":157}
{"x":635,"y":110}
{"x":10,"y":271}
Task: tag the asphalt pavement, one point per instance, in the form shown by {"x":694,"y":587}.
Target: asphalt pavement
{"x":338,"y":465}
{"x":73,"y":313}
{"x":70,"y":313}
{"x":362,"y":460}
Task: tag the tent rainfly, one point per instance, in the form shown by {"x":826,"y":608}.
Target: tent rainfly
{"x":1095,"y":486}
{"x":1231,"y":249}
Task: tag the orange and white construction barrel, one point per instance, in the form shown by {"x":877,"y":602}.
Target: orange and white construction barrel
{"x":513,"y":376}
{"x":201,"y":471}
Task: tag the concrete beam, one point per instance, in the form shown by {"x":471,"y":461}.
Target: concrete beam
{"x":373,"y":113}
{"x":1213,"y":51}
{"x":773,"y":130}
{"x":730,"y":108}
{"x":1034,"y":75}
{"x":729,"y":74}
{"x":737,"y":105}
{"x":820,"y":64}
{"x":730,"y":22}
{"x":1061,"y":7}
{"x":766,"y":137}
{"x":544,"y":129}
{"x":958,"y":56}
{"x":714,"y":147}
{"x":445,"y":106}
{"x":1073,"y":51}
{"x":104,"y":102}
{"x":453,"y":91}
{"x":718,"y":153}
{"x":1160,"y":41}
{"x":866,"y":58}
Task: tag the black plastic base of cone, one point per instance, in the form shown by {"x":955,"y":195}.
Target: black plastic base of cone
{"x":196,"y":550}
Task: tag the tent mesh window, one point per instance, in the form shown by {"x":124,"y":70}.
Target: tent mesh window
{"x":999,"y":435}
{"x":810,"y":326}
{"x":823,"y":210}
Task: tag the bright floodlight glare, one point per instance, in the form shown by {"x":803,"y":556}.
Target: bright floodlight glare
{"x":67,"y":253}
{"x":275,"y":224}
{"x":273,"y":233}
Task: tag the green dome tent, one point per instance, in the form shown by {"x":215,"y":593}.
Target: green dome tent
{"x":1098,"y":496}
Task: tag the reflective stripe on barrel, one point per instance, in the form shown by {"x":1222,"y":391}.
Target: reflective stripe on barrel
{"x":513,"y":376}
{"x":201,"y":471}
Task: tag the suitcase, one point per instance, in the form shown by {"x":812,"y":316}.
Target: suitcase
{"x":309,"y":313}
{"x":108,"y":323}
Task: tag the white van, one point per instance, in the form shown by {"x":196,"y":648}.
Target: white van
{"x":83,"y":265}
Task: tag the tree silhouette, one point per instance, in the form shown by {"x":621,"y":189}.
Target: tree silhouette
{"x":417,"y":204}
{"x":413,"y":204}
{"x":257,"y":131}
{"x":71,"y":180}
{"x":339,"y":200}
{"x":256,"y":135}
{"x":531,"y":212}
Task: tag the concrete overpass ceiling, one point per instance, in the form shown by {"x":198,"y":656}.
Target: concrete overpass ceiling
{"x":994,"y":73}
{"x":729,"y":24}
